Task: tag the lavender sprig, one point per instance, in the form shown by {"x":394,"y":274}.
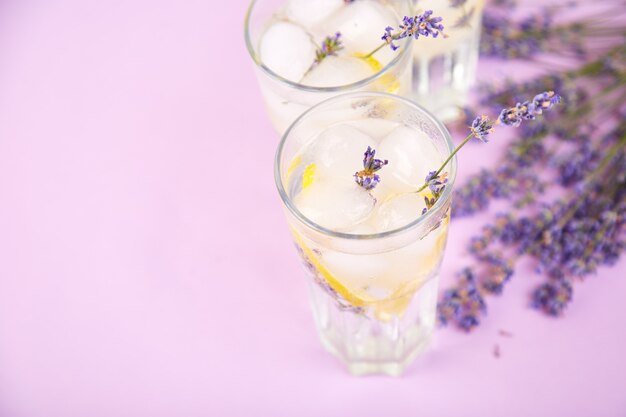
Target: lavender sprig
{"x":367,"y":177}
{"x":567,"y":238}
{"x":424,"y":24}
{"x":330,"y":46}
{"x":482,"y":126}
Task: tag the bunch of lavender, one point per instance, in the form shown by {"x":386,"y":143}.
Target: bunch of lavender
{"x":568,"y":238}
{"x":581,"y":159}
{"x":516,"y":176}
{"x":540,"y":32}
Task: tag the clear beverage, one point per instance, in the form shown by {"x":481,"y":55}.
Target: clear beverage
{"x":444,"y":71}
{"x":283,"y":37}
{"x":371,"y":257}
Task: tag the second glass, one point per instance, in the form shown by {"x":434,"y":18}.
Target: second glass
{"x":283,"y":37}
{"x":445,"y":69}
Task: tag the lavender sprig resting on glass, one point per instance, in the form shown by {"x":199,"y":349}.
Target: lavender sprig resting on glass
{"x":482,"y":127}
{"x":424,"y":24}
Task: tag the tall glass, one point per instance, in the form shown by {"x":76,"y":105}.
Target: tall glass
{"x":285,"y":100}
{"x":445,"y":69}
{"x":370,"y":333}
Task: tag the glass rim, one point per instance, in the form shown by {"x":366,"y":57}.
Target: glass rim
{"x":420,"y":220}
{"x":404,"y":49}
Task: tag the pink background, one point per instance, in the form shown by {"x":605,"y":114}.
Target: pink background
{"x":146,"y":268}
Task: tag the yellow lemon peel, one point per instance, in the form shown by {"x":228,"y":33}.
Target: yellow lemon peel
{"x":308,"y":176}
{"x":388,"y":82}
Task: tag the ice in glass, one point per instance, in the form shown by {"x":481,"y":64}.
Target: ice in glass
{"x":371,"y":254}
{"x":286,"y":37}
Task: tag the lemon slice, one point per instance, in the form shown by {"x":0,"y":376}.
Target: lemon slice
{"x":388,"y":82}
{"x":308,"y":176}
{"x":398,"y":302}
{"x":295,"y":163}
{"x":357,"y":300}
{"x":384,"y":309}
{"x":400,"y":294}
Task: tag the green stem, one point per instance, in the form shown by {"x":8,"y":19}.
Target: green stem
{"x":458,"y":148}
{"x":595,"y":67}
{"x":381,"y":46}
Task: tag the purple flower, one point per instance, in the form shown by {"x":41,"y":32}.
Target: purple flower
{"x":367,"y":177}
{"x":330,"y":46}
{"x":436,"y":184}
{"x":573,"y":166}
{"x":500,"y":272}
{"x":427,"y":25}
{"x":481,"y":127}
{"x":510,"y":117}
{"x":545,"y":101}
{"x":463,"y":304}
{"x":370,"y":163}
{"x":507,"y":38}
{"x":413,"y":26}
{"x":526,"y":110}
{"x":388,"y":38}
{"x":408,"y":27}
{"x":552,"y":297}
{"x":468,"y":322}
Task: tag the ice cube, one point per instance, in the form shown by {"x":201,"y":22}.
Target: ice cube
{"x":311,"y":12}
{"x":361,"y":25}
{"x":376,"y":128}
{"x":336,"y":71}
{"x":361,"y":229}
{"x":411,"y":155}
{"x":397,"y":212}
{"x":338,"y":151}
{"x":288,"y":50}
{"x":382,"y":192}
{"x":335,"y":204}
{"x":353,"y":269}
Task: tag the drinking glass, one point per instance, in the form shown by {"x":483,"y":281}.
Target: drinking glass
{"x":369,"y":332}
{"x":285,"y":100}
{"x":444,"y":69}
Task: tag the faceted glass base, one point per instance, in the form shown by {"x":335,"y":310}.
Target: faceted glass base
{"x":392,"y":368}
{"x":370,"y":343}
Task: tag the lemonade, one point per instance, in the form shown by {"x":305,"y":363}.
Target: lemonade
{"x":444,"y":71}
{"x":372,"y":252}
{"x":285,"y":38}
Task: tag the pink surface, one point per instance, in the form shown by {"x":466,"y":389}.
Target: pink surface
{"x":146,"y":268}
